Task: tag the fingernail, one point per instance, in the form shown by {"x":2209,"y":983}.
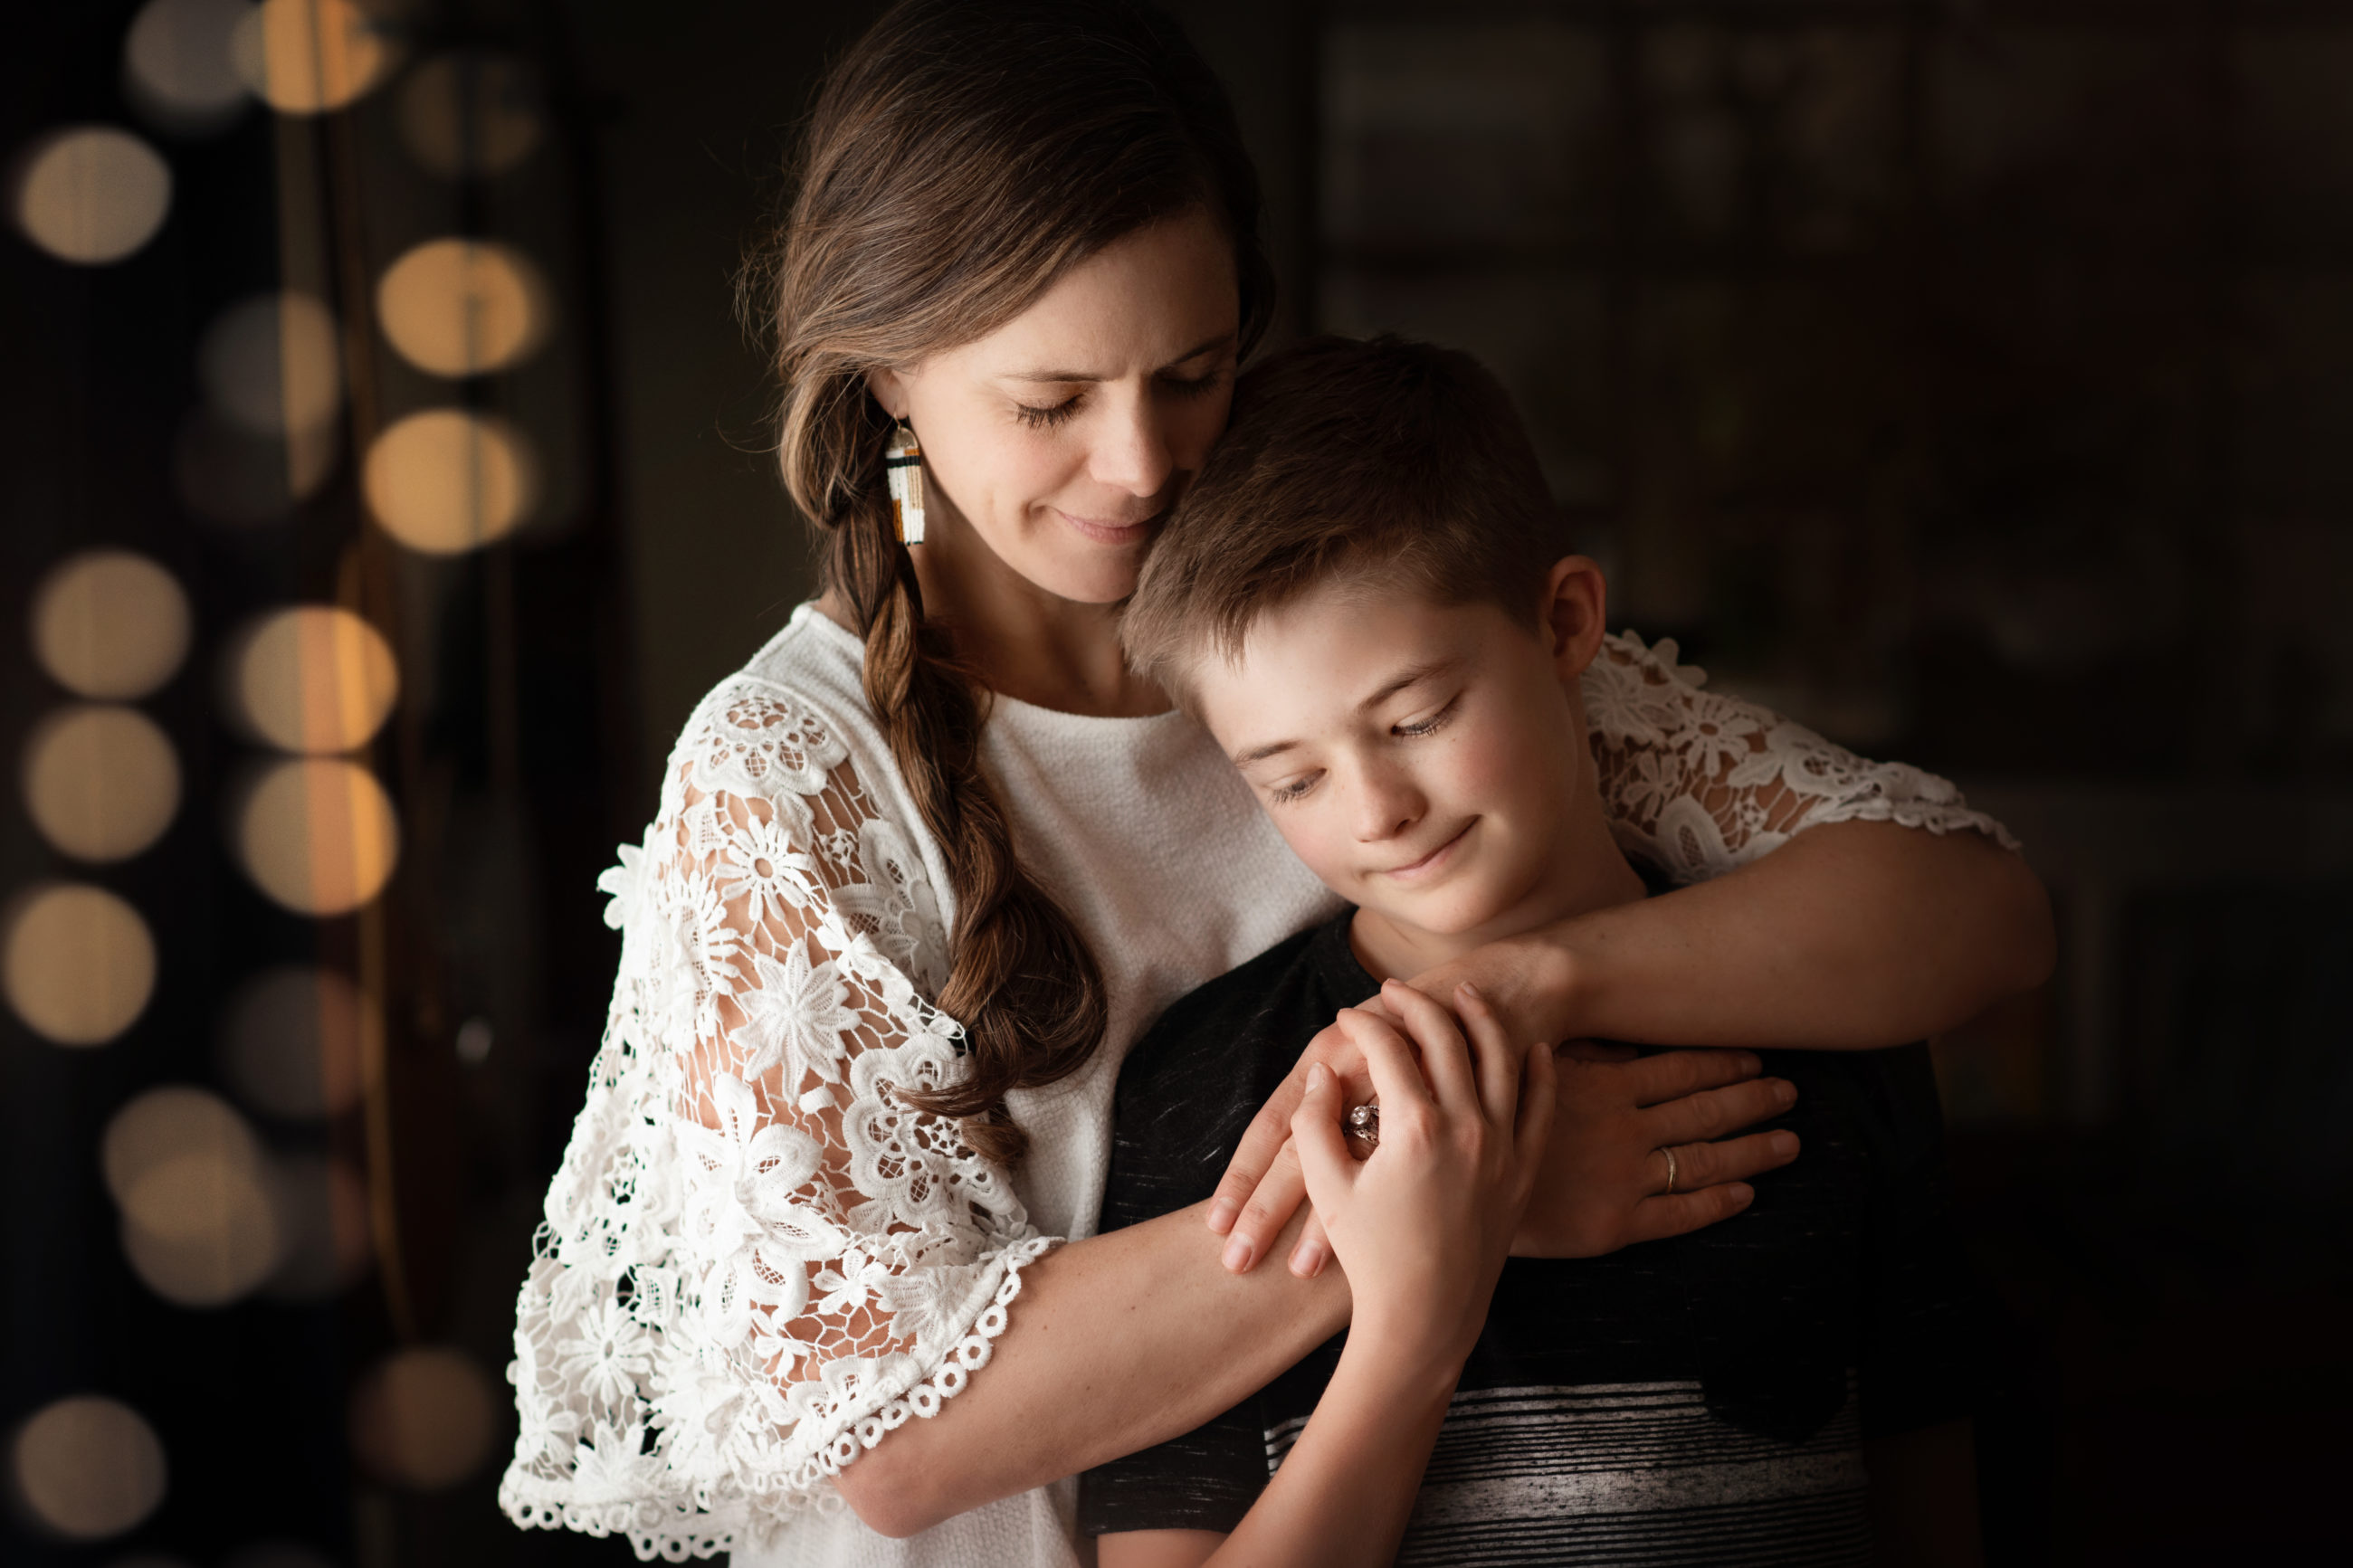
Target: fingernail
{"x":1316,"y":1076}
{"x":1785,"y":1144}
{"x":1785,"y":1092}
{"x":1238,"y":1253}
{"x":1221,"y":1216}
{"x":1740,"y":1192}
{"x":1750,"y":1062}
{"x":1307,"y":1261}
{"x":1471,"y":990}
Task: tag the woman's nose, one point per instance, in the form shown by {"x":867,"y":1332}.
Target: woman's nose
{"x":1131,"y":451}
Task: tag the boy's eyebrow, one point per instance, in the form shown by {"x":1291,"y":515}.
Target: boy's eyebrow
{"x":1390,"y":688}
{"x":1065,"y":376}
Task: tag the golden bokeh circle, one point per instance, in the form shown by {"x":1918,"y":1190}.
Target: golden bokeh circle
{"x":77,"y":964}
{"x":294,"y":1043}
{"x":200,"y":1216}
{"x":319,"y":835}
{"x":313,"y":678}
{"x":272,"y":364}
{"x":93,"y":194}
{"x":101,"y":782}
{"x":448,"y":480}
{"x":176,"y":61}
{"x":88,"y":1467}
{"x":111,"y":625}
{"x":463,"y":307}
{"x":423,"y":1419}
{"x":469,"y":113}
{"x":310,"y":56}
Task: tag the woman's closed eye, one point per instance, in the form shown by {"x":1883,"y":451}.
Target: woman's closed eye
{"x":1046,"y":418}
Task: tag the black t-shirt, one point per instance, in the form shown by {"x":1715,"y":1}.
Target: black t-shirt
{"x":1700,"y":1400}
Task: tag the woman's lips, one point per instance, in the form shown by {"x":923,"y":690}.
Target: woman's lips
{"x":1104,"y":531}
{"x":1437,"y":858}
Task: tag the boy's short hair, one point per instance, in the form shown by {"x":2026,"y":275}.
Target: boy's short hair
{"x":1347,"y":459}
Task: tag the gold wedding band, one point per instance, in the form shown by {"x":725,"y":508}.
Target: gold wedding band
{"x":1670,"y":1153}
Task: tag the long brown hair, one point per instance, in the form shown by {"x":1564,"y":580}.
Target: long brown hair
{"x":961,"y":158}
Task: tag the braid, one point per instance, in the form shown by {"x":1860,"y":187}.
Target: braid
{"x":1022,"y":983}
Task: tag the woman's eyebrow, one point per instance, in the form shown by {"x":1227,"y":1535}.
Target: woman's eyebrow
{"x":1066,"y":377}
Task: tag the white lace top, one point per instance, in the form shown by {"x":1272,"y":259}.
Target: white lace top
{"x":757,"y":1260}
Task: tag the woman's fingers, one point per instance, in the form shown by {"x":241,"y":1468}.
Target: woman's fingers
{"x":1444,"y":1056}
{"x":1538,"y":1097}
{"x":1267,"y":1208}
{"x":1670,"y":1075}
{"x":1701,"y":1165}
{"x":1314,"y":1248}
{"x":1654,"y":1219}
{"x":1698,"y":1118}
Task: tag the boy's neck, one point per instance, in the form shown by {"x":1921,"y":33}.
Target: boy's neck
{"x":1590,"y":874}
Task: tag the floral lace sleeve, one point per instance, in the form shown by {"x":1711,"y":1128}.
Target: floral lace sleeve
{"x":1699,"y":784}
{"x":757,"y":1258}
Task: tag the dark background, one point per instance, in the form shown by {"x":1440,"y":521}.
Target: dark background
{"x":1973,"y":382}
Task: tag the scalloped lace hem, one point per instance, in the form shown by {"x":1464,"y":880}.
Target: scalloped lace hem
{"x":1935,"y":815}
{"x":676,"y":1533}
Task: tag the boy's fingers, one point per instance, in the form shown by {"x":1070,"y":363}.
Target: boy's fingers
{"x":1261,"y":1142}
{"x":1701,"y":1165}
{"x":1698,"y":1118}
{"x":1323,"y":1157}
{"x":1314,"y":1248}
{"x":1672,"y":1075}
{"x":1269,"y":1209}
{"x":1654,"y":1219}
{"x":1444,"y":1057}
{"x":1396,"y":1077}
{"x":1500,"y":1068}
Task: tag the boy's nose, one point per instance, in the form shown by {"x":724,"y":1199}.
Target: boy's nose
{"x":1387,"y":806}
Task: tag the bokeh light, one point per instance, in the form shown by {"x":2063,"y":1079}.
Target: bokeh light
{"x":312,"y":678}
{"x":469,"y":113}
{"x":463,"y":307}
{"x":227,"y":475}
{"x":200,"y":1218}
{"x":448,"y":480}
{"x":423,"y":1418}
{"x":175,"y":60}
{"x":270,"y":364}
{"x":317,"y":836}
{"x":109,"y":625}
{"x":88,"y":1467}
{"x":307,"y":57}
{"x":292,"y":1043}
{"x":77,"y":964}
{"x":93,"y":194}
{"x":323,"y":1215}
{"x":101,"y":782}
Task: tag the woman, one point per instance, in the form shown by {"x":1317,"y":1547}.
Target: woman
{"x":929,"y":863}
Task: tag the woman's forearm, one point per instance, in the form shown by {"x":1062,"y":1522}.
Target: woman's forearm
{"x":1852,"y":935}
{"x":1114,"y":1344}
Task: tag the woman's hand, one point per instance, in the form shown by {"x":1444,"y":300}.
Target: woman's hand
{"x":1422,"y":1227}
{"x":1604,"y":1183}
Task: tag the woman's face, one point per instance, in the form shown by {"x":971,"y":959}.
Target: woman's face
{"x":1061,"y":438}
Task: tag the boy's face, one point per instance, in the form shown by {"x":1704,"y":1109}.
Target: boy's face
{"x":1424,"y":760}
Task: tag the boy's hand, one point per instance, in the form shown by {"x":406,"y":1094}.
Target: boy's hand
{"x":1604,"y":1183}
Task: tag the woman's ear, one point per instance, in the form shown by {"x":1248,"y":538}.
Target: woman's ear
{"x":890,"y":389}
{"x":1576,"y":602}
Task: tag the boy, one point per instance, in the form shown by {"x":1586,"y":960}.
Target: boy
{"x":1366,"y":598}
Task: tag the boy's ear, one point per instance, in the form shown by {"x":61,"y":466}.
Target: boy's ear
{"x":1576,"y":605}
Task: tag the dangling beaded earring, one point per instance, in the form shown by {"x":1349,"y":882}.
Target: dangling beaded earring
{"x":902,"y":460}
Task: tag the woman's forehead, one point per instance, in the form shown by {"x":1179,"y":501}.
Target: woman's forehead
{"x":1156,"y":298}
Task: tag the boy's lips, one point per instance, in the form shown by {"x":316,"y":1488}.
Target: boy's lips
{"x":1431,"y":861}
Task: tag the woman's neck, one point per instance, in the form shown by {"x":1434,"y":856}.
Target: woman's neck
{"x":1024,"y":643}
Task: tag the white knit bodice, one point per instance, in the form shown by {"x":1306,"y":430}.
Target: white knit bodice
{"x":758,"y":1259}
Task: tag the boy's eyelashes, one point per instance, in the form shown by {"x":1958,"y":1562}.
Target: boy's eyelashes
{"x":1411,"y":729}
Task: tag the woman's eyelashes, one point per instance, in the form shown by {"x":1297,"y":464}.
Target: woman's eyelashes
{"x":1062,"y":413}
